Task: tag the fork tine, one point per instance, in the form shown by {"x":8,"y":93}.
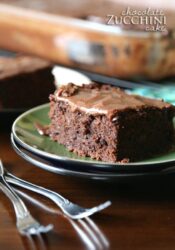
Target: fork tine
{"x":45,"y":229}
{"x":91,"y":211}
{"x":104,"y":205}
{"x":98,"y":232}
{"x":83,"y":235}
{"x":35,"y":229}
{"x":91,"y":234}
{"x":31,"y":242}
{"x":25,"y":223}
{"x":41,"y":242}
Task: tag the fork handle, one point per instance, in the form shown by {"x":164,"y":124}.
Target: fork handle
{"x":35,"y":188}
{"x":19,"y":206}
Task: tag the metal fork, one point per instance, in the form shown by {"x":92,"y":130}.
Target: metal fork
{"x":72,"y":210}
{"x":25,"y":223}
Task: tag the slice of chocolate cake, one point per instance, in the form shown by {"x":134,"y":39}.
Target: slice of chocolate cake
{"x":25,"y":81}
{"x":107,"y":124}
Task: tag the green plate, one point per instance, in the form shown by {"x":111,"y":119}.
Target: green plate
{"x":27,"y":136}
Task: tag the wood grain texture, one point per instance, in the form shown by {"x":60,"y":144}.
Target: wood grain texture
{"x":141,"y":217}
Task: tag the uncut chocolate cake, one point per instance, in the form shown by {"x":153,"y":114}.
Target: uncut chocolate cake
{"x":108,"y":124}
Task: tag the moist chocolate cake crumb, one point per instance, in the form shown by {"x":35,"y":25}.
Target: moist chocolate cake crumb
{"x":67,"y":90}
{"x":107,"y":124}
{"x":25,"y":82}
{"x":42,"y":130}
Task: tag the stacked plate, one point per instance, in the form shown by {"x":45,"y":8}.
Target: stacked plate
{"x":41,"y":151}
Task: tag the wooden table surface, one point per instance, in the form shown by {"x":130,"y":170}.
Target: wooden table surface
{"x":142,"y":215}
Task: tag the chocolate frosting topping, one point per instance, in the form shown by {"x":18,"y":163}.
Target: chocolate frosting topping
{"x":11,"y":66}
{"x":96,"y":98}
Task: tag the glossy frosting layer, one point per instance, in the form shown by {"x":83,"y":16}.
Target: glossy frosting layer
{"x":104,"y":98}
